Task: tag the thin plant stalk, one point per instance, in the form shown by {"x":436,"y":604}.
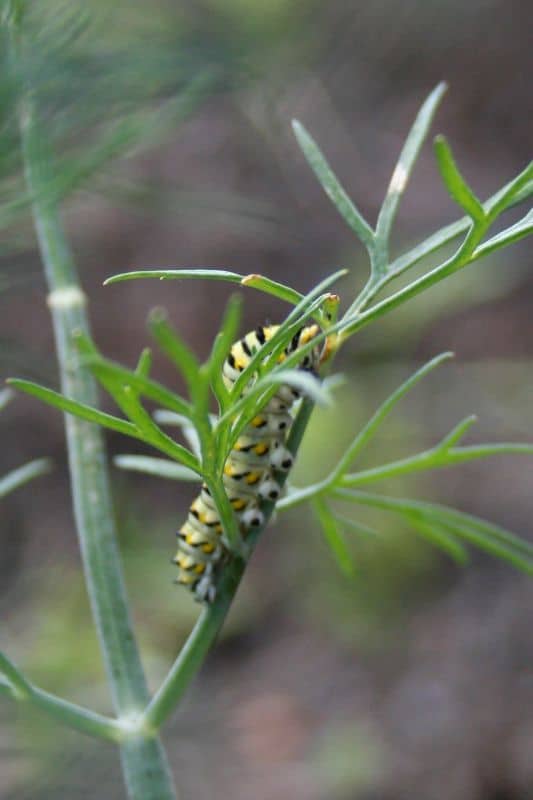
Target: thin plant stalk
{"x":146,"y":771}
{"x":212,"y":618}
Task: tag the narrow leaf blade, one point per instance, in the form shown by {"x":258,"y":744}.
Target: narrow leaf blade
{"x":403,"y":169}
{"x":173,"y":346}
{"x":457,"y":432}
{"x":455,"y":183}
{"x":164,"y":417}
{"x":355,"y":525}
{"x":370,"y":429}
{"x":81,"y":410}
{"x":160,"y":467}
{"x":5,"y":397}
{"x":253,"y":280}
{"x":491,"y":538}
{"x":332,"y":186}
{"x":144,"y":364}
{"x":333,"y":535}
{"x":115,"y":378}
{"x":492,"y":545}
{"x":176,"y":274}
{"x":152,"y":434}
{"x":264,"y":284}
{"x":225,"y":338}
{"x":21,"y":475}
{"x":440,"y":537}
{"x":14,"y":676}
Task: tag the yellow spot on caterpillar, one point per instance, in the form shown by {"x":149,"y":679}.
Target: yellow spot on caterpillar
{"x":238,"y":504}
{"x":199,"y":568}
{"x":258,"y":421}
{"x":332,"y":344}
{"x":308,"y":333}
{"x":261,"y":448}
{"x":252,"y":478}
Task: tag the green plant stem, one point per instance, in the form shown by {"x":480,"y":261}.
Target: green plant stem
{"x":76,"y":717}
{"x":144,"y":763}
{"x":463,"y":256}
{"x":190,"y":658}
{"x":211,"y":620}
{"x":515,"y":192}
{"x":437,"y":457}
{"x":431,"y":459}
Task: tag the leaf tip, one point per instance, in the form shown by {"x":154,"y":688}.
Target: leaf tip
{"x":157,"y":315}
{"x":45,"y":465}
{"x":300,"y":132}
{"x":6,"y":395}
{"x":447,"y":355}
{"x":120,"y":276}
{"x":441,"y":88}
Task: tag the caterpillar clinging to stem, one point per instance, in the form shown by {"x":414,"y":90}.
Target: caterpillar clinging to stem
{"x":250,"y":469}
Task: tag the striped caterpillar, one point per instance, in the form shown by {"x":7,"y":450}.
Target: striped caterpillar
{"x":249,"y":472}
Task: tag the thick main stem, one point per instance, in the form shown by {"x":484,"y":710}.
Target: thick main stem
{"x":144,"y":763}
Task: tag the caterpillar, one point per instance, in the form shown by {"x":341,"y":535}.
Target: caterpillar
{"x":250,"y":470}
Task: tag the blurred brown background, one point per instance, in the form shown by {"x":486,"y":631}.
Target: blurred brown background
{"x":415,"y":680}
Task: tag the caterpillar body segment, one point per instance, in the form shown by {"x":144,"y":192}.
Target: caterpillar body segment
{"x":249,"y":472}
